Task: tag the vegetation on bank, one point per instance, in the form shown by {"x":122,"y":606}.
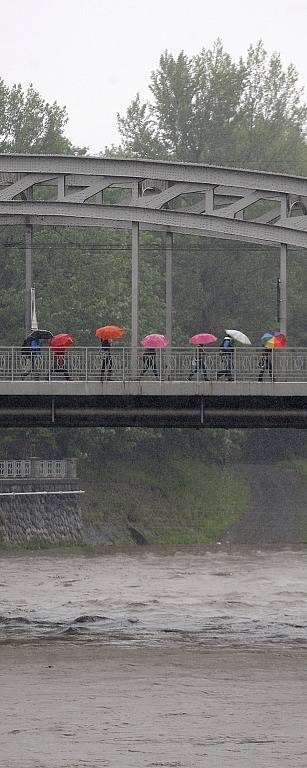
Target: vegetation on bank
{"x":176,"y":502}
{"x":172,"y":503}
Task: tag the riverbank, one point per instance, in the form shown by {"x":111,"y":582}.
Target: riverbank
{"x":176,"y":502}
{"x":181,"y":501}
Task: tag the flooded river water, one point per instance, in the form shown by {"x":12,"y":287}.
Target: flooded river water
{"x":153,"y":658}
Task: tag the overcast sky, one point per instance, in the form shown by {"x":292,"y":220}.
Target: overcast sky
{"x":94,"y":55}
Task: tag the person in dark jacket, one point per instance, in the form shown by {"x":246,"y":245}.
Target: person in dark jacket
{"x":226,"y":354}
{"x":265,"y":364}
{"x":149,"y":362}
{"x":200,"y":364}
{"x":60,"y":363}
{"x":106,"y":360}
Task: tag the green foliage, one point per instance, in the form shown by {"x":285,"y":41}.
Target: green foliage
{"x":213,"y":110}
{"x":210,"y":109}
{"x":29,"y":124}
{"x":186,"y":502}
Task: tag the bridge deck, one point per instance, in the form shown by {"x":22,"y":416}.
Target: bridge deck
{"x":35,"y":392}
{"x":169,"y":404}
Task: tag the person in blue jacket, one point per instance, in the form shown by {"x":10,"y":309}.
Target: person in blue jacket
{"x":31,"y":350}
{"x":226,"y":355}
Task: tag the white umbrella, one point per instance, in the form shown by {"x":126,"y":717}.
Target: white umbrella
{"x":239,"y":336}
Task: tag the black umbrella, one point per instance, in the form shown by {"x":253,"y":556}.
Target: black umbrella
{"x":37,"y":336}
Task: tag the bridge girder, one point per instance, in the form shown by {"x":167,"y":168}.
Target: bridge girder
{"x":251,"y":206}
{"x":228,"y":203}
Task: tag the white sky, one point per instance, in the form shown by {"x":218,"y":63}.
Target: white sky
{"x":94,"y":55}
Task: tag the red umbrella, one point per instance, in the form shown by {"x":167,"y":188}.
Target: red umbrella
{"x":61,"y":341}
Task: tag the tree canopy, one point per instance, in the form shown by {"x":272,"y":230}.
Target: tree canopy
{"x":210,"y":109}
{"x":29,"y":124}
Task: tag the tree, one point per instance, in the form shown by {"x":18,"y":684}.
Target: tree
{"x":210,"y":109}
{"x":29,"y":124}
{"x":271,"y":129}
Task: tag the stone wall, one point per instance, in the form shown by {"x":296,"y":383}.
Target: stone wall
{"x":51,"y":518}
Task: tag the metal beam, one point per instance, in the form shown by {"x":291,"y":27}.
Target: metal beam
{"x":143,"y":169}
{"x":42,"y":212}
{"x":283,"y":290}
{"x":284,"y":214}
{"x":169,"y":284}
{"x":28,"y":252}
{"x":135,"y":285}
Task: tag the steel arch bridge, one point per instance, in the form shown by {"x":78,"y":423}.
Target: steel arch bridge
{"x":250,"y":206}
{"x":170,"y":198}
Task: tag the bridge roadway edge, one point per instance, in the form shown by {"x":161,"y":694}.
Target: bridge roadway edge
{"x":153,"y":404}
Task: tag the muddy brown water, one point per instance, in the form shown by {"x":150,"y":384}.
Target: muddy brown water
{"x":153,"y":658}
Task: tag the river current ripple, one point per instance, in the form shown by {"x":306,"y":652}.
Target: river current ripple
{"x":156,"y":596}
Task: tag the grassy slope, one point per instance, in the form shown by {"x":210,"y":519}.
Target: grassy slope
{"x":181,"y":502}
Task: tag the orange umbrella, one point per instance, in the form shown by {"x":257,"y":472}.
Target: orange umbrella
{"x":110,"y":332}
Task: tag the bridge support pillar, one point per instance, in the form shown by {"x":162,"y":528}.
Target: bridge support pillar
{"x":169,"y":284}
{"x":29,"y":233}
{"x":135,"y":295}
{"x":283,"y":290}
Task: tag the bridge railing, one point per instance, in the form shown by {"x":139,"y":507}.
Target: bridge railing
{"x":244,"y":364}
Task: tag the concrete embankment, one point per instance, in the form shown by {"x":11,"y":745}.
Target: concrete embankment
{"x":182,"y":502}
{"x":33,"y":519}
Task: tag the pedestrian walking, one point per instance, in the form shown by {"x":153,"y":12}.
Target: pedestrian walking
{"x":31,"y":350}
{"x":226,"y":354}
{"x":199,"y":364}
{"x":106,"y":360}
{"x":149,"y":362}
{"x":60,"y":364}
{"x":265,"y":364}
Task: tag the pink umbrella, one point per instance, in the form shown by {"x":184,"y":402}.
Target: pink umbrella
{"x":154,"y":341}
{"x":203,"y":338}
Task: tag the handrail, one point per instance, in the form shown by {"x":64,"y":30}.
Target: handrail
{"x":94,"y":364}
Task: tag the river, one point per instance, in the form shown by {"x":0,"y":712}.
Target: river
{"x":153,"y":657}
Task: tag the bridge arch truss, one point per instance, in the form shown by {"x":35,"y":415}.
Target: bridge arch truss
{"x":249,"y":206}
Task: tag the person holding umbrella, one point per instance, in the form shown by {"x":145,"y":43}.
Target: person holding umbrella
{"x":107,"y":334}
{"x":199,"y":364}
{"x":59,"y":345}
{"x":270,"y":340}
{"x":226,"y":355}
{"x":31,"y":348}
{"x":227,"y":352}
{"x":200,"y":361}
{"x":151,"y":343}
{"x":149,"y":362}
{"x":265,"y":364}
{"x":106,"y":360}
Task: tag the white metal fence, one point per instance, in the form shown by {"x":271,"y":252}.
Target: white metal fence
{"x":34,"y":468}
{"x":176,"y":364}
